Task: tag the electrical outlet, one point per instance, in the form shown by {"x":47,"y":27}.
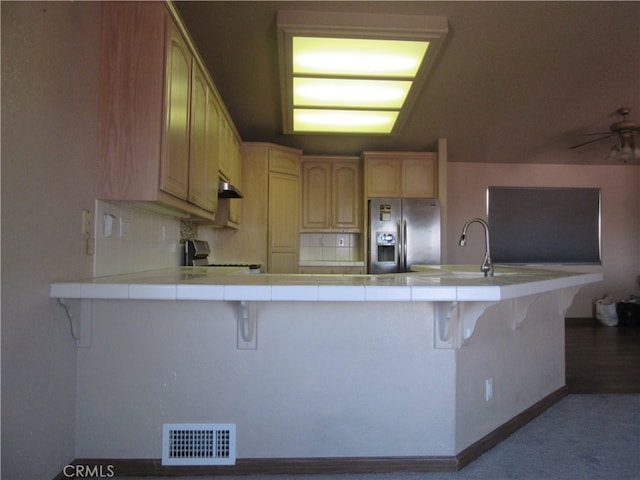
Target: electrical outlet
{"x":488,"y":389}
{"x":86,"y":222}
{"x":340,"y":242}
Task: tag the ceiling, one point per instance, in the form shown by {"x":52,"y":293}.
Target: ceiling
{"x":515,"y":82}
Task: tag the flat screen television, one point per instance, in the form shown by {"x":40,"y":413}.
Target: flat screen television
{"x":544,"y":225}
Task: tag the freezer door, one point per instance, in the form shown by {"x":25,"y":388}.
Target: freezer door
{"x":421,"y":242}
{"x":384,"y":238}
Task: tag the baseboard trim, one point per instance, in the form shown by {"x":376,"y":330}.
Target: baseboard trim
{"x":326,"y":465}
{"x":469,"y":454}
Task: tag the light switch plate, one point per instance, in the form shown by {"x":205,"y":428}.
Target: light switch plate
{"x":86,"y":222}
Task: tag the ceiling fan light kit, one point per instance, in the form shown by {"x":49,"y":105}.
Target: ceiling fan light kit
{"x":626,"y":149}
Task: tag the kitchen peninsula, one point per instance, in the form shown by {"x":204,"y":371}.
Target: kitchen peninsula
{"x":417,"y":371}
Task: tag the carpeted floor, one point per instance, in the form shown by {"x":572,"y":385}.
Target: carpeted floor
{"x":582,"y":437}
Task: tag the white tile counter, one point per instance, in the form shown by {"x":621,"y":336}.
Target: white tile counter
{"x":433,"y":283}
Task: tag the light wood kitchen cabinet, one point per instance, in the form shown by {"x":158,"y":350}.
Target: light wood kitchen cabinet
{"x":333,"y":270}
{"x":400,"y":174}
{"x":230,"y":170}
{"x":159,"y":130}
{"x":174,"y":166}
{"x":316,"y":195}
{"x":235,"y":176}
{"x":271,"y":207}
{"x":284,"y":223}
{"x":345,"y":195}
{"x":331,"y":194}
{"x":203,"y":155}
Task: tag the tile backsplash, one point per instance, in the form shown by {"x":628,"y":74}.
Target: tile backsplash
{"x":130,"y":239}
{"x":330,"y":246}
{"x":141,"y":240}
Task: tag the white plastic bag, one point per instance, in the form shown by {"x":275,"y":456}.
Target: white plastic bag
{"x":606,"y":311}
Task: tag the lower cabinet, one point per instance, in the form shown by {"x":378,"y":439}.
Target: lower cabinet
{"x":335,"y":270}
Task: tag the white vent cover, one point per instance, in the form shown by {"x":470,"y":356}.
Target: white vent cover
{"x":198,"y":444}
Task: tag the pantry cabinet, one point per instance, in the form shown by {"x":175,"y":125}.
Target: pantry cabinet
{"x":331,"y":194}
{"x":160,"y":114}
{"x":271,"y":207}
{"x":400,"y":174}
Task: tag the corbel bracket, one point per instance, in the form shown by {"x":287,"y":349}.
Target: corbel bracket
{"x":520,"y":307}
{"x":455,"y":322}
{"x":568,"y":294}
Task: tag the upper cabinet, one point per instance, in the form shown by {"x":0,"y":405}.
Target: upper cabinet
{"x":161,"y":116}
{"x":203,"y":155}
{"x":174,"y":167}
{"x":230,"y":168}
{"x":331,"y":194}
{"x":400,"y":174}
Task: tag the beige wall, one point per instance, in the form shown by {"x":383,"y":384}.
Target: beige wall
{"x":620,"y":189}
{"x":49,"y":113}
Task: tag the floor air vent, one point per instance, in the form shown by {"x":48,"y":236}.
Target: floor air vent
{"x":198,"y":444}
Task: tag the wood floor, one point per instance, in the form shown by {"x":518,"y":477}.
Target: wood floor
{"x":601,"y":359}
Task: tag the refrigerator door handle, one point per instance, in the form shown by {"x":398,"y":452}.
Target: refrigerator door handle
{"x":399,"y":246}
{"x":404,"y":247}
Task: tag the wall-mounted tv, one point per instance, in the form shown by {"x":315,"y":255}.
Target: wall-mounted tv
{"x":540,"y":225}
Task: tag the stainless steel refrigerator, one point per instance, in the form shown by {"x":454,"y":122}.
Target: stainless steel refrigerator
{"x":403,"y":232}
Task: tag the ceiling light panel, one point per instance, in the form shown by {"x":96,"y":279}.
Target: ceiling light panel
{"x":357,"y":57}
{"x":358,"y":93}
{"x":343,"y":121}
{"x":356,"y":73}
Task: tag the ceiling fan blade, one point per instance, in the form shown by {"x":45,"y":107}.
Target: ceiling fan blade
{"x":593,"y":141}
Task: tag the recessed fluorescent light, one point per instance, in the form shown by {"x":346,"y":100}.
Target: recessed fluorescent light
{"x":356,"y":73}
{"x":339,"y":92}
{"x":341,"y":121}
{"x":361,"y":57}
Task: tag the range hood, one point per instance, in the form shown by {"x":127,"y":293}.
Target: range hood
{"x":226,"y":190}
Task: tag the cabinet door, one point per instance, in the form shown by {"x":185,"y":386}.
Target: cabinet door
{"x":284,"y":161}
{"x":235,"y":161}
{"x":174,"y":168}
{"x":383,"y":177}
{"x":419,"y":176}
{"x":212,"y":152}
{"x":198,"y":143}
{"x":131,"y":100}
{"x":316,"y":195}
{"x":225,"y":163}
{"x":284,"y":223}
{"x":346,"y":195}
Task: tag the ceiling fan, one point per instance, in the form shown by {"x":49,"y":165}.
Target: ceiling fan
{"x":626,"y":148}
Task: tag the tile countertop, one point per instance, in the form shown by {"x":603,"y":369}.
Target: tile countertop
{"x":431,"y":283}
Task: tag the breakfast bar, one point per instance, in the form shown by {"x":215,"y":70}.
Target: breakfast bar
{"x":421,"y":370}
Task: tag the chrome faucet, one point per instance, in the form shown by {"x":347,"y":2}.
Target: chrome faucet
{"x":487,"y":265}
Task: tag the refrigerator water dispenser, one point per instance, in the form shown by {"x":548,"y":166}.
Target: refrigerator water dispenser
{"x":386,"y":242}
